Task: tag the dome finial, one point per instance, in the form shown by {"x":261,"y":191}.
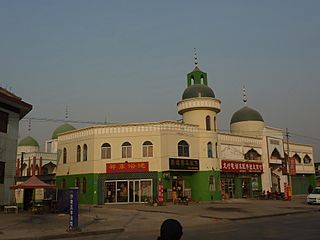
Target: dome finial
{"x":245,"y":99}
{"x":67,"y":113}
{"x":29,"y":125}
{"x":195,"y":57}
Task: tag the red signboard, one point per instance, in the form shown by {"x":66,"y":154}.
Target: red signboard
{"x":127,"y":167}
{"x":160,"y":193}
{"x":292,"y":166}
{"x":238,"y":166}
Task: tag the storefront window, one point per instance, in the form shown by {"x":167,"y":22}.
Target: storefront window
{"x":146,"y":190}
{"x":123,"y":191}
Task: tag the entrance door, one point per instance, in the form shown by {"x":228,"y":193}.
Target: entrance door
{"x":27,"y":198}
{"x":122,"y":191}
{"x":136,"y":191}
{"x":245,"y":187}
{"x":110,"y":196}
{"x":131,"y":191}
{"x":227,"y":185}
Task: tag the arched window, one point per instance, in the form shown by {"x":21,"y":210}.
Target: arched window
{"x":64,"y":155}
{"x":202,"y":79}
{"x":77,"y":182}
{"x":126,"y":150}
{"x":183,"y":149}
{"x":297,"y":157}
{"x":215,"y":124}
{"x":209,"y":147}
{"x":78,"y":153}
{"x":275,"y":154}
{"x":192,"y":80}
{"x":63,"y":184}
{"x":306,"y":159}
{"x":147,"y":149}
{"x":84,"y":185}
{"x":216,"y":150}
{"x":208,"y":123}
{"x":106,"y":151}
{"x":252,"y":155}
{"x":85,"y":152}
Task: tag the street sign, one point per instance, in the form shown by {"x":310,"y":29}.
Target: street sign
{"x":73,"y":219}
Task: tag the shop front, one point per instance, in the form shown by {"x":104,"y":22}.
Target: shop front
{"x":128,"y":191}
{"x":129,"y":182}
{"x":240,"y":179}
{"x":180,"y":172}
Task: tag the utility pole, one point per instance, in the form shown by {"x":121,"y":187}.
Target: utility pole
{"x":288,"y":164}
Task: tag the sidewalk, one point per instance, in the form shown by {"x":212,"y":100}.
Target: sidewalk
{"x":105,"y":219}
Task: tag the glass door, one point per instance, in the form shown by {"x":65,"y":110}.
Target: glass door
{"x":136,"y":191}
{"x":122,"y":191}
{"x":131,"y":191}
{"x":110,"y":192}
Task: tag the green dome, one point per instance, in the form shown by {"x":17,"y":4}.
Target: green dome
{"x":61,"y":129}
{"x":198,"y":90}
{"x":246,"y":114}
{"x":28,"y":142}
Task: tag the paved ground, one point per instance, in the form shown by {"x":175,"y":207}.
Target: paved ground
{"x":95,"y":220}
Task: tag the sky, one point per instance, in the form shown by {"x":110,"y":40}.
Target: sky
{"x":126,"y":61}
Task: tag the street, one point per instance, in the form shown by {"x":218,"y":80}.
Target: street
{"x":299,"y":226}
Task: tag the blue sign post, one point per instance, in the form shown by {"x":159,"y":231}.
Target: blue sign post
{"x":74,"y":209}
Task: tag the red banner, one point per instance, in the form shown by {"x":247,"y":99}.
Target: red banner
{"x":160,"y":193}
{"x":238,"y":166}
{"x":127,"y":167}
{"x":292,"y":166}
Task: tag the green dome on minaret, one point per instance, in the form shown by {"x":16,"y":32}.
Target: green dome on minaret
{"x":61,"y":129}
{"x":28,"y":142}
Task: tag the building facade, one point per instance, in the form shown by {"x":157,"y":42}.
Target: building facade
{"x":12,"y":109}
{"x":128,"y":163}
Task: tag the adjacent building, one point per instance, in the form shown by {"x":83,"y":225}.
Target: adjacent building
{"x":12,"y":109}
{"x":135,"y":162}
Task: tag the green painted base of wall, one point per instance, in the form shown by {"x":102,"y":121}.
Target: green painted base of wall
{"x":301,"y":183}
{"x":201,"y":187}
{"x":90,"y":195}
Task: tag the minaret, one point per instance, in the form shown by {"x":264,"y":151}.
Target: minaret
{"x":199,"y":105}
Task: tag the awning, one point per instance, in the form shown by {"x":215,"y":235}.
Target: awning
{"x":33,"y":182}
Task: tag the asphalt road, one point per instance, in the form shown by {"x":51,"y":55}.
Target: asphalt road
{"x":298,"y":226}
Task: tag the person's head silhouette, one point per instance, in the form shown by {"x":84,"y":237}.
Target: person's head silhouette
{"x":170,"y":229}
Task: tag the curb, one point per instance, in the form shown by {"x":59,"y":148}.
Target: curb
{"x":69,"y":235}
{"x":257,"y":217}
{"x":157,"y":211}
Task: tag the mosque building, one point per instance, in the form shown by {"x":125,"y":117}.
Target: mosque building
{"x":126,"y":163}
{"x":32,"y":161}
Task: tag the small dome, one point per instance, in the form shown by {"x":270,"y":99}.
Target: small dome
{"x":246,"y":114}
{"x":61,"y":129}
{"x":198,"y":90}
{"x":28,"y":142}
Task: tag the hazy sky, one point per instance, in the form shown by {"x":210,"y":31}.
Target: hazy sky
{"x":126,"y":61}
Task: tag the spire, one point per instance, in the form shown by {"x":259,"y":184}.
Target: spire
{"x":67,"y":113}
{"x":195,"y":57}
{"x":245,"y":99}
{"x":29,"y":126}
{"x":196,"y":76}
